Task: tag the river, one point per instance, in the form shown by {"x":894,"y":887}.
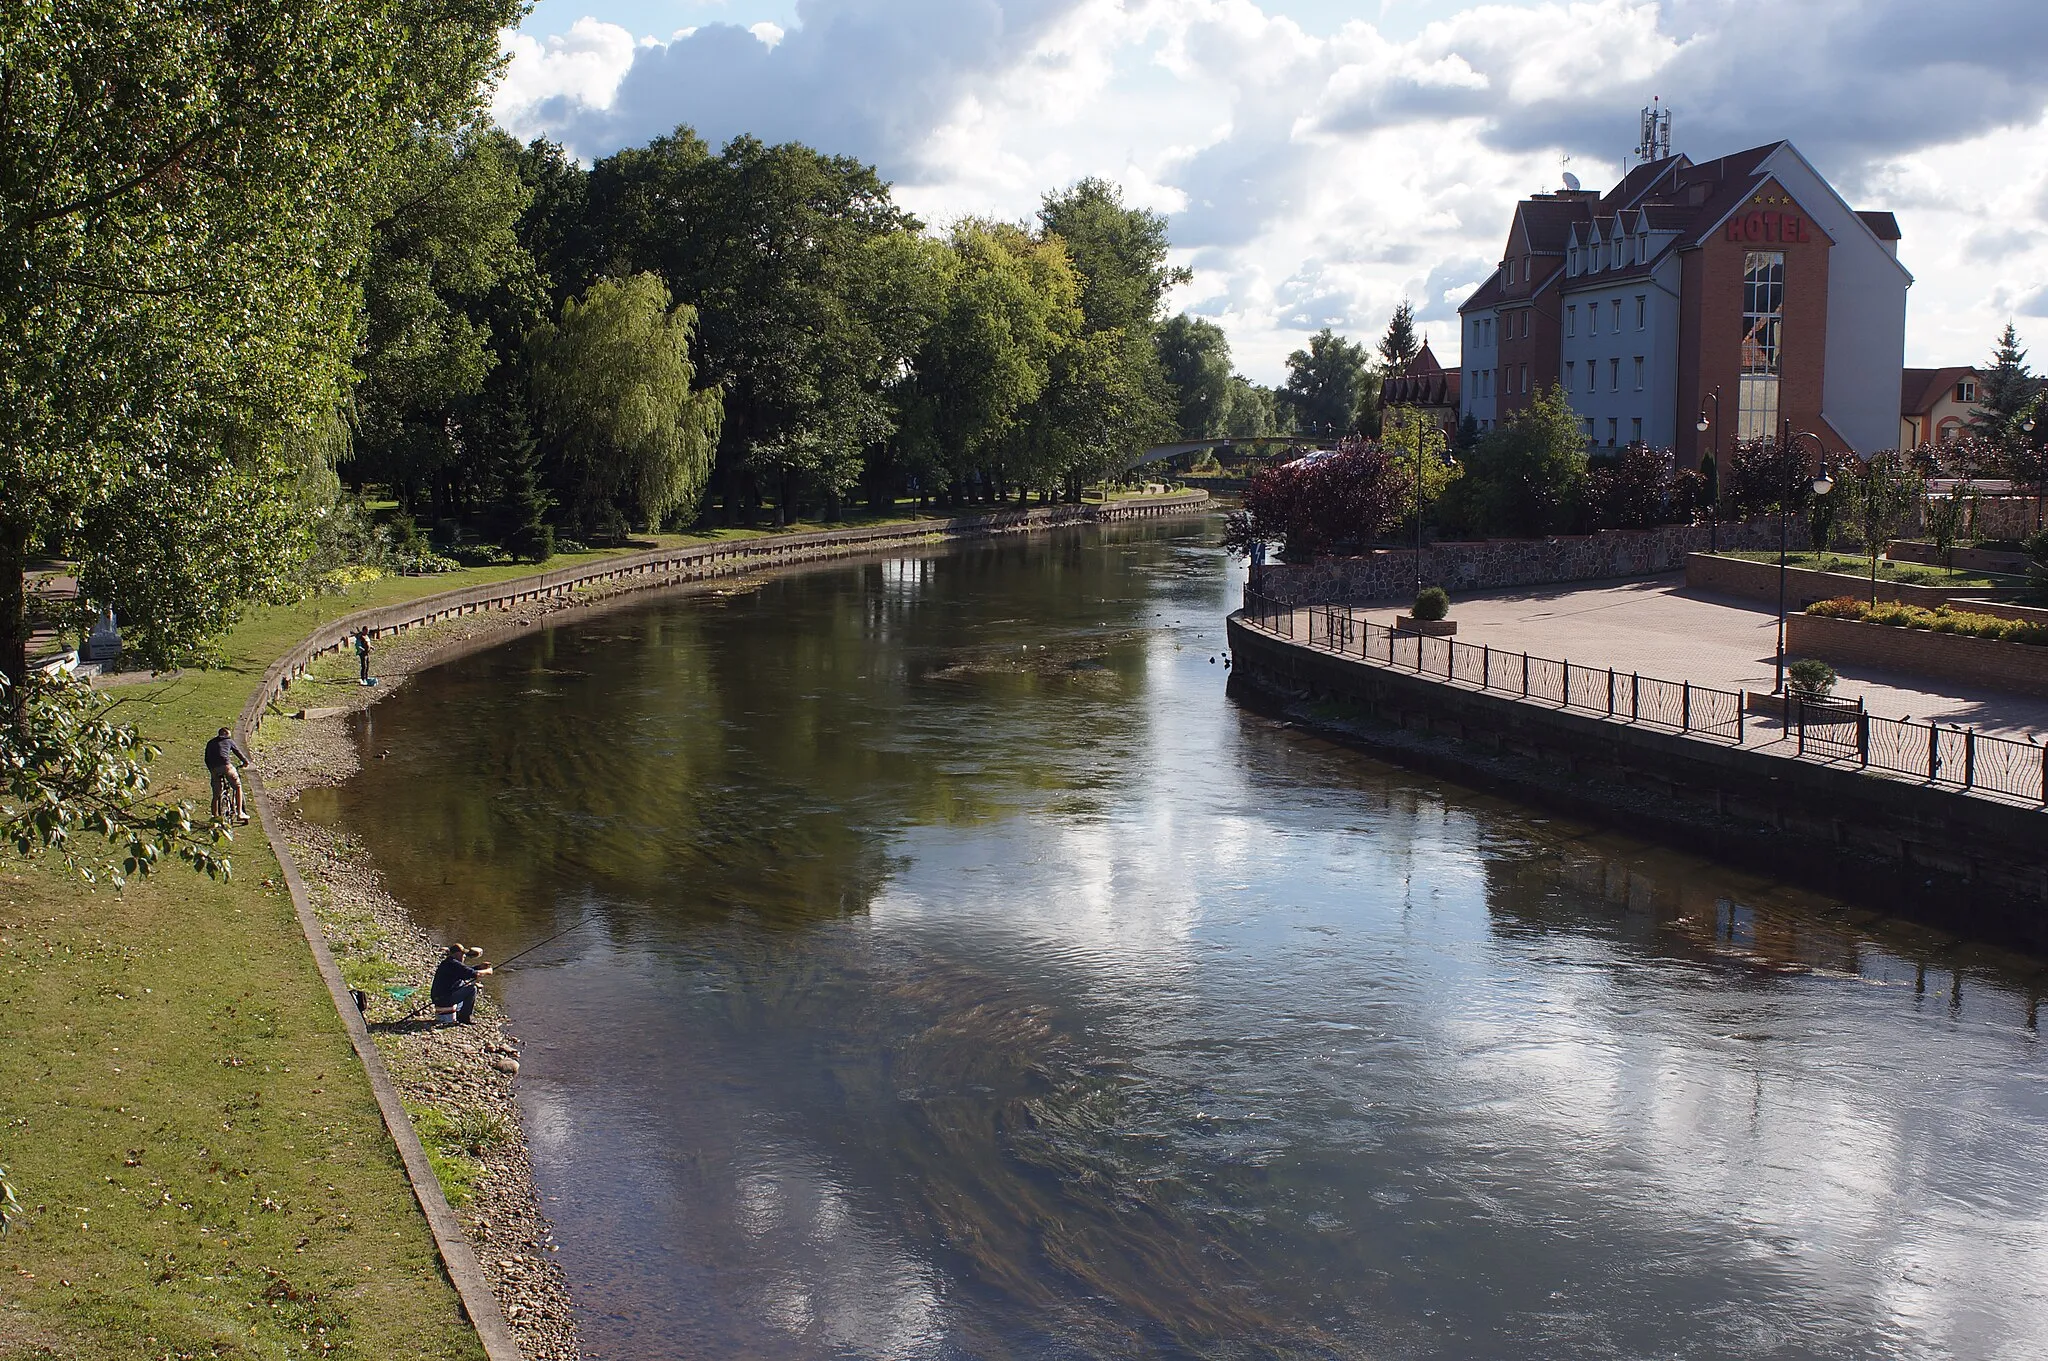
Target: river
{"x":969,"y":975}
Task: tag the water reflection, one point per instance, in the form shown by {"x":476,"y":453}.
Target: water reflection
{"x":971,"y":979}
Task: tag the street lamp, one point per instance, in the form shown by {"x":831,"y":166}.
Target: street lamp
{"x":1822,"y":484}
{"x":1714,"y":499}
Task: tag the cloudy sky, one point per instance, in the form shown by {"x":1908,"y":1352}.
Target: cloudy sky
{"x":1320,"y":160}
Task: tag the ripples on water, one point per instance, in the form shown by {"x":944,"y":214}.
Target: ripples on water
{"x":972,"y":978}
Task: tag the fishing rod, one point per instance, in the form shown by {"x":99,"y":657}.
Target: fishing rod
{"x":584,"y":921}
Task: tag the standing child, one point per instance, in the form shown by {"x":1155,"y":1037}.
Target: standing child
{"x":363,"y":654}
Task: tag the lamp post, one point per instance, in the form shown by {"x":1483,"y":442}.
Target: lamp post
{"x":1422,"y":448}
{"x":1714,"y":500}
{"x":1822,"y":484}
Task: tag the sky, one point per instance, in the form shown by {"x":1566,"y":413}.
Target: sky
{"x":1320,"y":161}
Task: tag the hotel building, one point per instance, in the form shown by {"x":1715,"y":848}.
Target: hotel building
{"x":1746,"y":276}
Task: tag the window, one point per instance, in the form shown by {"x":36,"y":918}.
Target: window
{"x":1966,"y":391}
{"x":1571,"y":321}
{"x":1525,"y":377}
{"x":1614,"y":375}
{"x":1639,"y":373}
{"x":1489,"y":330}
{"x":1589,"y":430}
{"x":1635,"y":430}
{"x":1592,"y":318}
{"x":1570,"y":375}
{"x":1613,"y":430}
{"x":1642,"y":310}
{"x":1617,"y":314}
{"x":1763,"y":315}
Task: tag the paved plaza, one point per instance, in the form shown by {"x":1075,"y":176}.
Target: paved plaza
{"x":1655,"y":626}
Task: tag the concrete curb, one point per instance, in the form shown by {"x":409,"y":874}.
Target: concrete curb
{"x":661,"y":568}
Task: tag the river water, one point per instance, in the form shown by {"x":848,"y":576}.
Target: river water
{"x":970,"y":976}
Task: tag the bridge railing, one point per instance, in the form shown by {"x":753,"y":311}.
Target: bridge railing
{"x":1949,"y":755}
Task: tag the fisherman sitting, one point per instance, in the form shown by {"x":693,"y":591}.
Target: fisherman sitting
{"x":454,"y":990}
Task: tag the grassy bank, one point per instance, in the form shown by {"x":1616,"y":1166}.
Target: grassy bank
{"x":1906,"y":573}
{"x":202,"y":1162}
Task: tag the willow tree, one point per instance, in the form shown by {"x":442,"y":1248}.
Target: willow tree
{"x":612,"y":380}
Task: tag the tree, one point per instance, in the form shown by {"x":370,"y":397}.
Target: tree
{"x":1329,"y":388}
{"x":1120,"y":254}
{"x":1196,"y":357}
{"x":801,"y":323}
{"x":1880,"y":495}
{"x":449,"y":294}
{"x":181,"y":191}
{"x":2007,"y":388}
{"x":1399,"y":345}
{"x":1421,"y":455}
{"x":1255,"y":410}
{"x":612,"y":380}
{"x":1528,"y":476}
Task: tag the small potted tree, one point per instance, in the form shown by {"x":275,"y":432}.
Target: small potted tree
{"x":1429,"y":615}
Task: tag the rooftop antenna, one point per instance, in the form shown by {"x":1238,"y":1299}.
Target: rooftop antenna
{"x":1656,"y":132}
{"x":1571,"y":181}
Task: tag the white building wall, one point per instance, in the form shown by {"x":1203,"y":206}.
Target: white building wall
{"x":1479,"y":356}
{"x":1866,"y":349}
{"x":1656,"y":341}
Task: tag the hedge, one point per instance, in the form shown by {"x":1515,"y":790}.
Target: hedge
{"x":1942,"y":620}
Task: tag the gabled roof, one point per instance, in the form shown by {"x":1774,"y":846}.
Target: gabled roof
{"x":1920,"y":389}
{"x":1486,"y":295}
{"x":1423,"y":364}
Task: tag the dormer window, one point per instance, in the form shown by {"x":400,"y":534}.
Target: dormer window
{"x":1966,"y":391}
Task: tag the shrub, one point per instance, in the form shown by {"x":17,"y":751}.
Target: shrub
{"x":1431,"y":603}
{"x":1811,"y":679}
{"x":1317,"y":504}
{"x":1942,"y":620}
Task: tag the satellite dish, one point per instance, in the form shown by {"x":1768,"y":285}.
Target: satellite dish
{"x":1571,"y":181}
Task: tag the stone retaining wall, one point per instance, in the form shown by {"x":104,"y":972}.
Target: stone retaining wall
{"x":2017,"y":667}
{"x":1492,"y":564}
{"x":1966,"y":863}
{"x":697,"y":562}
{"x":1759,"y":581}
{"x":1967,"y":559}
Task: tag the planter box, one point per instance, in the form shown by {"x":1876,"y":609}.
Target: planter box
{"x":2020,"y":668}
{"x":1967,"y":559}
{"x":1803,"y":586}
{"x":1434,"y":628}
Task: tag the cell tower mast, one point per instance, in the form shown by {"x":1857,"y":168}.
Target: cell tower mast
{"x":1656,"y":143}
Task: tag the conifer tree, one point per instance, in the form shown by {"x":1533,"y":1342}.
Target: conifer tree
{"x":2007,"y":388}
{"x":1399,"y":345}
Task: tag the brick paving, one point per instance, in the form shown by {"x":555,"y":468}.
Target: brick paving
{"x":1655,"y":626}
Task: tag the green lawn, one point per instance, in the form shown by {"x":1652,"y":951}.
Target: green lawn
{"x":204,"y":1168}
{"x":1907,"y":573}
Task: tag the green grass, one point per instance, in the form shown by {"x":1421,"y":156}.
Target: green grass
{"x":203,"y":1165}
{"x":1906,"y":573}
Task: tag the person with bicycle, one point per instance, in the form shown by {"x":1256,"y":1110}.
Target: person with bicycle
{"x":227,"y":779}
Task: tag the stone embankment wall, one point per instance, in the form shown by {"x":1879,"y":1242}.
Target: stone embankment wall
{"x":1759,"y":581}
{"x":1966,"y":863}
{"x":1495,"y":564}
{"x":2021,"y":668}
{"x":698,"y":562}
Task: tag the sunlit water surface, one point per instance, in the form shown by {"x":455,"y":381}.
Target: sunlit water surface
{"x":969,"y":976}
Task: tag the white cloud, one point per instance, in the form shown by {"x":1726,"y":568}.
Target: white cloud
{"x":1317,"y":179}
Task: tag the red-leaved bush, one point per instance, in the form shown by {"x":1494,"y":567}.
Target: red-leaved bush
{"x":1320,"y":504}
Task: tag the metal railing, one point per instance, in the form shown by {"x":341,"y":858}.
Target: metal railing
{"x":1830,"y":730}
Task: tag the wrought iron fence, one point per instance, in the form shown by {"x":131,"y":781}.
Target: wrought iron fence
{"x":1824,"y":730}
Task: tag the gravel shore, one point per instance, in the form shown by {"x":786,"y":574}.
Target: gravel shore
{"x":458,"y":1081}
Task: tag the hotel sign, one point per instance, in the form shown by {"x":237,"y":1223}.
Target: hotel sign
{"x":1775,"y":227}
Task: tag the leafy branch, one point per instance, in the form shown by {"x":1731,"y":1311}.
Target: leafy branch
{"x":68,"y":770}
